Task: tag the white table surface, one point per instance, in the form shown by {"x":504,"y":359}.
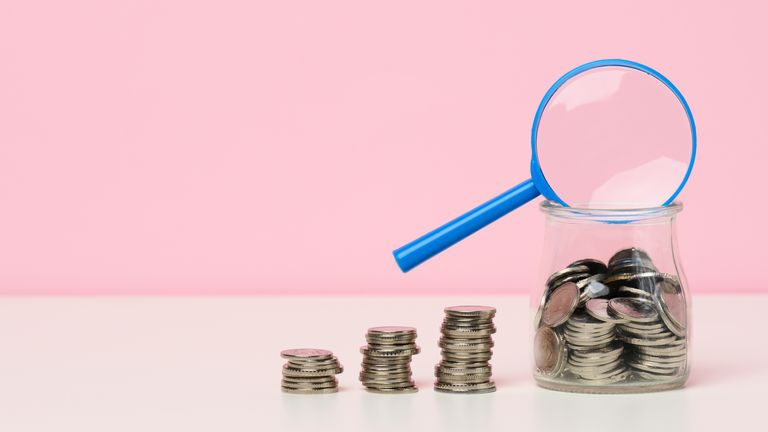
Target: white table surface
{"x":212,"y":364}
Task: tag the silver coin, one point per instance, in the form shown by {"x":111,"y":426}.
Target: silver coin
{"x":471,"y":311}
{"x":310,"y":391}
{"x":633,"y":309}
{"x":662,"y":350}
{"x":644,"y":326}
{"x":629,"y":253}
{"x":621,"y":370}
{"x":561,"y":304}
{"x":637,"y":292}
{"x":672,"y":303}
{"x":598,"y":309}
{"x":656,"y":370}
{"x":653,"y":362}
{"x":377,"y":352}
{"x":403,"y":390}
{"x":392,"y":330}
{"x":601,"y":356}
{"x":550,"y":352}
{"x":611,"y":379}
{"x":681,"y":358}
{"x":581,"y":320}
{"x":568,"y":274}
{"x":593,"y":370}
{"x":287,"y":371}
{"x":468,"y":328}
{"x":594,"y":266}
{"x":467,"y":357}
{"x":310,"y":380}
{"x":306,"y":385}
{"x":463,"y":371}
{"x":630,"y":278}
{"x":465,"y":388}
{"x":333,"y":362}
{"x":468,"y":334}
{"x":306,"y":353}
{"x":646,"y":342}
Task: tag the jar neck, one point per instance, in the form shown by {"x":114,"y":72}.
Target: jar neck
{"x":636,"y":216}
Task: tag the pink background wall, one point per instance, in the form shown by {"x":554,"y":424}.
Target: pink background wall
{"x":279,"y":146}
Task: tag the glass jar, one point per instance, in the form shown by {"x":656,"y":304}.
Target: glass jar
{"x":612,"y":312}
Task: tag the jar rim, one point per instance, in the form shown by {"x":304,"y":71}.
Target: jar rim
{"x":554,"y":209}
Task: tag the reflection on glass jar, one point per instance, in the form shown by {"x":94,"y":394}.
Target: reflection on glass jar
{"x":612,"y":314}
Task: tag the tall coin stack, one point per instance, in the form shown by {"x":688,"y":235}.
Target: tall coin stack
{"x":386,"y":366}
{"x":466,"y":344}
{"x":310,"y":371}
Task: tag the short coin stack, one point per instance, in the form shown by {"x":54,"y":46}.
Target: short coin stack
{"x":594,"y":354}
{"x":387,"y":359}
{"x":310,"y":371}
{"x":466,"y":344}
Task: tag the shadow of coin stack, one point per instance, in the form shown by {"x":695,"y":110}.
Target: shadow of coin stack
{"x":310,"y":371}
{"x":386,"y":366}
{"x":466,"y":344}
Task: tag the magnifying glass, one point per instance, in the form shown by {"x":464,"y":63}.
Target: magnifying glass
{"x":610,"y":134}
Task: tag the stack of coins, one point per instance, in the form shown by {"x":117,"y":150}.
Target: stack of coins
{"x":310,"y":371}
{"x":466,"y":344}
{"x":594,"y":354}
{"x":602,"y":324}
{"x":387,"y":359}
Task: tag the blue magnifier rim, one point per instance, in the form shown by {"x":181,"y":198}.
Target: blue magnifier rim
{"x":538,"y":176}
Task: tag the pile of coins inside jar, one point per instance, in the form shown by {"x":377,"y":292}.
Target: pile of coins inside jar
{"x":601,"y":324}
{"x":386,"y":366}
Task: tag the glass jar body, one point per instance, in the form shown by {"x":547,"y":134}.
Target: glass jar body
{"x":612,"y":310}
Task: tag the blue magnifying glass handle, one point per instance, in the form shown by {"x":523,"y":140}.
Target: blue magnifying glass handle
{"x":434,"y":242}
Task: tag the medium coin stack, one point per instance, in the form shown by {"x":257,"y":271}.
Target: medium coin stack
{"x":602,"y":318}
{"x":594,"y":354}
{"x":310,"y":371}
{"x":466,"y":344}
{"x":387,"y":359}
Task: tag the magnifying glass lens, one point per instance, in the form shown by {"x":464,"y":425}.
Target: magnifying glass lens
{"x":612,"y":138}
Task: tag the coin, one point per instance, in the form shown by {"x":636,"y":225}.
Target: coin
{"x":562,"y":302}
{"x":632,"y":253}
{"x":671,"y":303}
{"x":549,"y":351}
{"x":306,"y":354}
{"x":637,"y":292}
{"x":598,"y":309}
{"x":633,"y":309}
{"x":403,"y":390}
{"x":471,"y":311}
{"x":310,"y":391}
{"x":555,"y":278}
{"x":594,"y":266}
{"x":486,"y":387}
